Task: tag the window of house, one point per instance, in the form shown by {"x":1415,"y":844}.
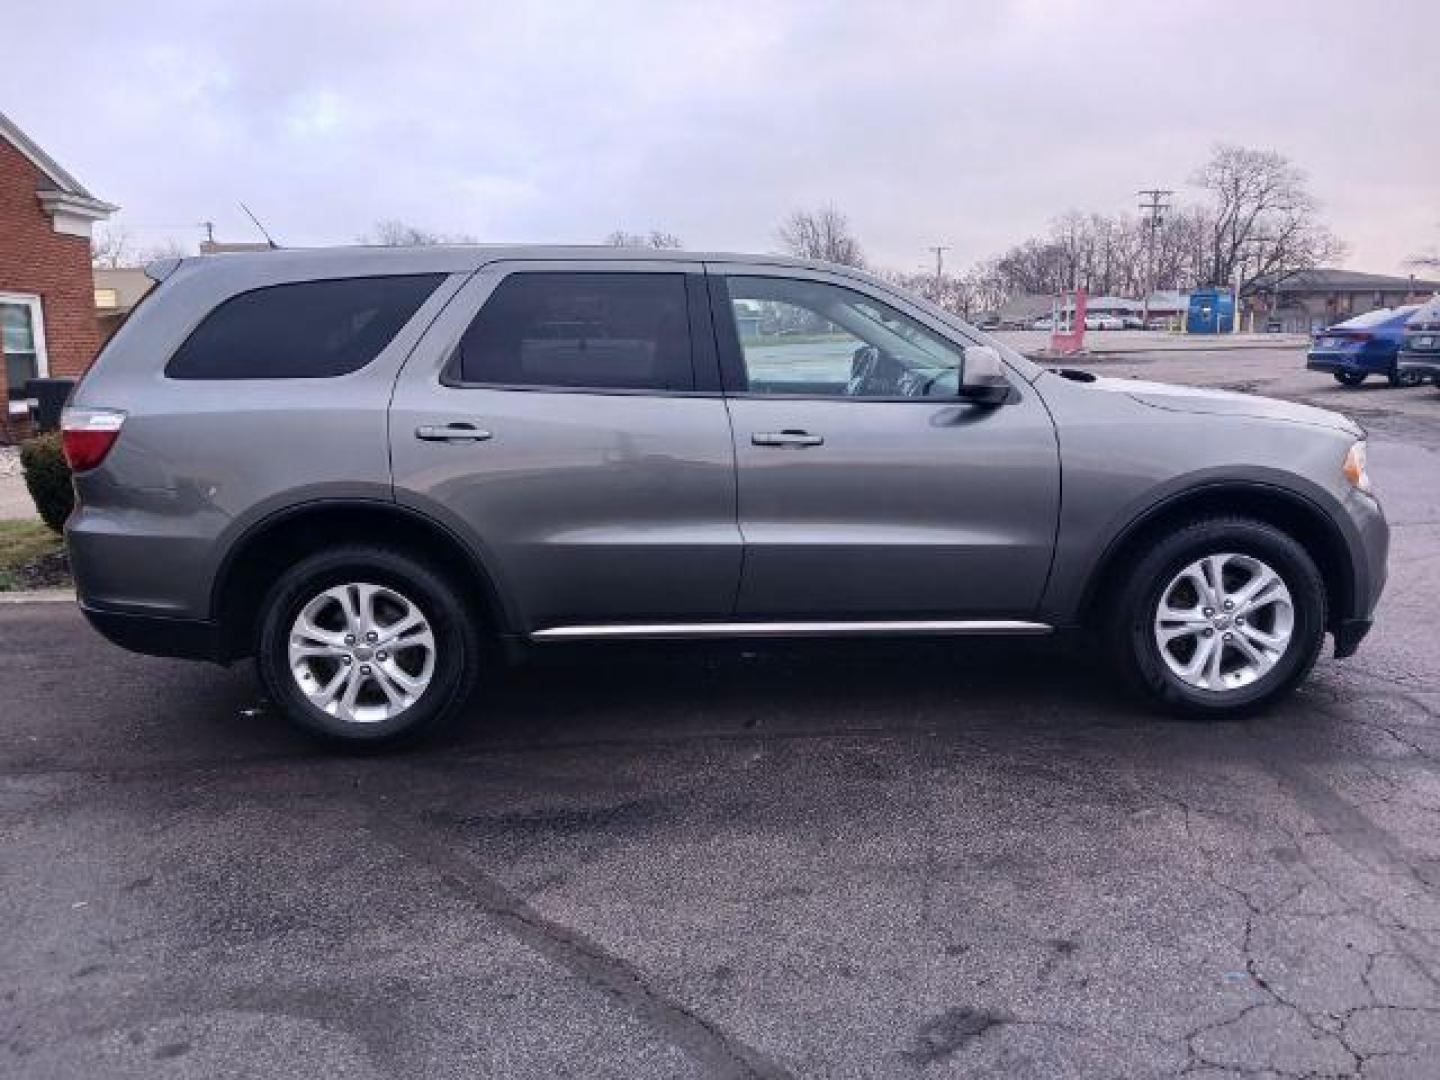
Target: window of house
{"x":602,"y":331}
{"x":22,"y":339}
{"x":303,"y":330}
{"x":107,"y":298}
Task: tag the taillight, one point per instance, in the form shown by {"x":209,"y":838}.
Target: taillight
{"x":88,"y":434}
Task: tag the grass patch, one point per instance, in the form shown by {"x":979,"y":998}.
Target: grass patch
{"x":22,"y":543}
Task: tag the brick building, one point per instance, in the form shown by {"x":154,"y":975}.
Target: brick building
{"x":47,"y":290}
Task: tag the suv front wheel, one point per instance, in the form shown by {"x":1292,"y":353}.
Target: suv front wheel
{"x":367,"y":645}
{"x":1222,"y":616}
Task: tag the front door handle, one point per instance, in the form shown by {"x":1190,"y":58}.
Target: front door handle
{"x":788,"y":437}
{"x":457,"y":432}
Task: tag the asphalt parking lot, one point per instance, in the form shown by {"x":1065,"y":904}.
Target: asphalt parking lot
{"x":869,"y":860}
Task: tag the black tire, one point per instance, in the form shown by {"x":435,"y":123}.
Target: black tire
{"x":454,"y":624}
{"x":1349,"y":378}
{"x":1130,"y":633}
{"x":1406,"y":378}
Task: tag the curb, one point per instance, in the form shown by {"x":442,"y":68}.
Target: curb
{"x":1195,"y":349}
{"x":1112,"y":353}
{"x":38,"y":596}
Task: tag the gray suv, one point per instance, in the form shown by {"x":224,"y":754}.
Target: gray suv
{"x":379,"y":470}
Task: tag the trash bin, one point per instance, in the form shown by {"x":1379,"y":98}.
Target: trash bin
{"x":49,"y":396}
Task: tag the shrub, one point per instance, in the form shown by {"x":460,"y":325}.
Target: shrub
{"x":48,"y":478}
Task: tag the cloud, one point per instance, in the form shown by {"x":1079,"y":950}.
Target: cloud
{"x":928,"y":122}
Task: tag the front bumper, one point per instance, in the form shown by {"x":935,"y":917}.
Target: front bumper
{"x":1348,"y":635}
{"x":1369,"y":557}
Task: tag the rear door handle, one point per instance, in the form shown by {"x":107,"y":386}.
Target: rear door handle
{"x":457,"y":432}
{"x":788,"y":437}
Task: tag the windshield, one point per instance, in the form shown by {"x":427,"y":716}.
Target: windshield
{"x":1378,"y":317}
{"x":1428,"y":312}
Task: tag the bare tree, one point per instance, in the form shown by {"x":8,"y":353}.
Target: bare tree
{"x":1180,"y":249}
{"x":1260,"y":225}
{"x":822,"y":234}
{"x":166,"y":249}
{"x":1263,"y":221}
{"x":114,"y":248}
{"x":111,"y":246}
{"x":951,"y":292}
{"x":395,"y":233}
{"x":655,"y":238}
{"x":1428,"y":259}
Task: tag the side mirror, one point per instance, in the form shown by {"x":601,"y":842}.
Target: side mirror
{"x":982,"y":379}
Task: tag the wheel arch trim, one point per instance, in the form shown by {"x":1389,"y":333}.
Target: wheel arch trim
{"x":269,"y":525}
{"x":1338,"y":544}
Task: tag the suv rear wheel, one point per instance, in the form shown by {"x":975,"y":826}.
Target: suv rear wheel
{"x":1222,"y":616}
{"x":367,"y":645}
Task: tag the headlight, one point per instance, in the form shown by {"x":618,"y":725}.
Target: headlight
{"x":1354,"y":467}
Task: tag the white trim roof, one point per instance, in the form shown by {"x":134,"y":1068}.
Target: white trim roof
{"x":63,"y":182}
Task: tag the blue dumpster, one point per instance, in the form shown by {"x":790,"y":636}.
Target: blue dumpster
{"x":1212,"y":311}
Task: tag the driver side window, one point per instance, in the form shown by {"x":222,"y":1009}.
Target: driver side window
{"x":808,"y":338}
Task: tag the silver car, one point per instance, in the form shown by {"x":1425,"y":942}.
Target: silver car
{"x":367,"y":467}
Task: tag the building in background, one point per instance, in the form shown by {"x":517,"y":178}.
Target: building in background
{"x":117,"y":291}
{"x":220,"y":247}
{"x":1118,"y":306}
{"x":1314,"y":299}
{"x":47,"y":290}
{"x":1018,"y":312}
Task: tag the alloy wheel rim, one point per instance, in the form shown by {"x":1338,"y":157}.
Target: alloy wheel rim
{"x":363,"y":653}
{"x":1224,"y":621}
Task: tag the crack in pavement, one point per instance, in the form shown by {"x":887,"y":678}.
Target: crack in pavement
{"x":718,"y":1053}
{"x":1196,"y":1058}
{"x":1326,"y":1024}
{"x":1340,"y":819}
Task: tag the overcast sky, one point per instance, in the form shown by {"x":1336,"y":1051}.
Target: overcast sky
{"x":966,"y":124}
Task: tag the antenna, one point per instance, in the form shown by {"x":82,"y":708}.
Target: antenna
{"x":256,"y":220}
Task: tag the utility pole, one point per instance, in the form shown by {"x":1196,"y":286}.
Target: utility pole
{"x":209,"y":227}
{"x":939,"y":251}
{"x":1153,"y":204}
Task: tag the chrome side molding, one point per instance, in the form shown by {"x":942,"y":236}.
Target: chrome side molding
{"x":877,"y":627}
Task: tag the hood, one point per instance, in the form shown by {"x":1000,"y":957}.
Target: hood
{"x":1193,"y":399}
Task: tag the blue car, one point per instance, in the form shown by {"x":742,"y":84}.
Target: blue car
{"x":1366,"y":345}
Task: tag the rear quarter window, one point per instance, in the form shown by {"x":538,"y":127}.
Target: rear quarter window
{"x":604,"y":331}
{"x":301,"y":330}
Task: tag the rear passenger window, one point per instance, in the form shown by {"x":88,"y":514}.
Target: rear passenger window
{"x":306,"y":330}
{"x":615,"y":331}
